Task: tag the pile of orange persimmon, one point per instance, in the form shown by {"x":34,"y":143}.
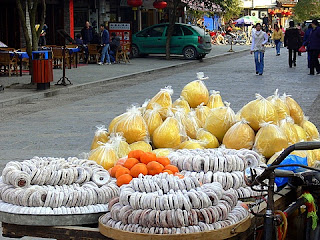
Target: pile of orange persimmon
{"x":140,"y":162}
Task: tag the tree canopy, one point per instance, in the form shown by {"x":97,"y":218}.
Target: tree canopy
{"x":307,"y":9}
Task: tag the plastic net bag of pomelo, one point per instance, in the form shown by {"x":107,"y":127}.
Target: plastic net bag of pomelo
{"x":215,"y":100}
{"x":196,"y":92}
{"x":269,"y":140}
{"x":280,"y":105}
{"x":120,"y":145}
{"x":311,"y":130}
{"x":104,"y":155}
{"x":202,"y":113}
{"x":259,"y":111}
{"x":131,"y":124}
{"x":288,"y":128}
{"x":101,"y":135}
{"x":167,"y":135}
{"x":153,"y":118}
{"x":141,"y":145}
{"x":239,"y":136}
{"x":207,"y":139}
{"x":295,"y":110}
{"x":162,"y":99}
{"x":220,"y":120}
{"x":191,"y":144}
{"x":302,"y":135}
{"x":188,"y":122}
{"x":181,"y":103}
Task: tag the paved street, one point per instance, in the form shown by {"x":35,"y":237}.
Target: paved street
{"x":64,"y":125}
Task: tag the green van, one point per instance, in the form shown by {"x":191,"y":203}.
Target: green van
{"x":188,"y":40}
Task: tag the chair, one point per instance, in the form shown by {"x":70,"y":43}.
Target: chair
{"x":6,"y":60}
{"x":122,"y":53}
{"x":57,"y":53}
{"x":94,"y":53}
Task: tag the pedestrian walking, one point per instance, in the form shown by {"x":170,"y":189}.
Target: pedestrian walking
{"x":314,"y":47}
{"x":87,"y":33}
{"x":277,"y":37}
{"x":105,"y":41}
{"x":292,"y":41}
{"x":259,"y":39}
{"x":306,"y":40}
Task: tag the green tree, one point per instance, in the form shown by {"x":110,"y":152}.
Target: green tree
{"x":230,"y":8}
{"x":307,"y":9}
{"x":32,"y":9}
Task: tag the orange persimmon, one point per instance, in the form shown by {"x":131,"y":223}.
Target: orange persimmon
{"x":167,"y":171}
{"x":130,"y":162}
{"x":148,"y":157}
{"x":154,"y":168}
{"x":114,"y":170}
{"x":172,"y":168}
{"x":124,"y":179}
{"x":163,"y":160}
{"x":122,"y":170}
{"x":135,"y":154}
{"x":137,"y":169}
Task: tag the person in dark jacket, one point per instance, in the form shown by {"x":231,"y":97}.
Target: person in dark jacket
{"x":314,"y":47}
{"x":105,"y":42}
{"x":292,"y":40}
{"x":87,"y":33}
{"x":114,"y":46}
{"x":306,"y":41}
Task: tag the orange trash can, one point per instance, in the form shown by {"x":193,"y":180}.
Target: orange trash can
{"x":42,"y":69}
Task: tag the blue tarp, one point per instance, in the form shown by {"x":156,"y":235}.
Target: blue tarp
{"x":212,"y":23}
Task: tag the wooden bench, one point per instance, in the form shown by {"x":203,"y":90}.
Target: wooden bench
{"x":8,"y":62}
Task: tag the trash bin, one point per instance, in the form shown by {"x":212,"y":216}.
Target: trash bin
{"x":42,"y":69}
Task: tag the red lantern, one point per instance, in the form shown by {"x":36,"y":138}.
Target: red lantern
{"x":272,"y":12}
{"x":283,"y":13}
{"x":160,"y":5}
{"x":134,"y":4}
{"x":287,"y":14}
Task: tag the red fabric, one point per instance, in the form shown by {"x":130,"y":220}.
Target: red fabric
{"x":302,"y":49}
{"x":71,"y":18}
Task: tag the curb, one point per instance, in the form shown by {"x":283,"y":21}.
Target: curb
{"x":72,"y":88}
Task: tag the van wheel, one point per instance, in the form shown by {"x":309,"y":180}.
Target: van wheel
{"x":190,"y":53}
{"x":135,"y":51}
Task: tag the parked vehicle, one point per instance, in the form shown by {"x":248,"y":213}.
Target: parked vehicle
{"x":190,"y":41}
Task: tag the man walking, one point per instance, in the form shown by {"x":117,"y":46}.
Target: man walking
{"x":105,"y":41}
{"x":292,"y":41}
{"x":259,"y":39}
{"x":314,"y":47}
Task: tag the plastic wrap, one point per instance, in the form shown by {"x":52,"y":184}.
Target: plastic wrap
{"x":190,"y":144}
{"x":259,"y":111}
{"x":104,"y":155}
{"x":141,"y":145}
{"x":167,"y":135}
{"x":239,"y":136}
{"x":311,"y":130}
{"x":207,"y":139}
{"x":181,"y":103}
{"x":163,"y":99}
{"x":219,"y":121}
{"x":280,"y":105}
{"x":269,"y":140}
{"x":188,"y":122}
{"x":101,"y":135}
{"x":153,"y":118}
{"x":202,"y":113}
{"x":132,"y":125}
{"x":302,"y":135}
{"x":288,"y":128}
{"x":196,"y":92}
{"x":163,"y":152}
{"x":215,"y":100}
{"x":295,"y":110}
{"x":120,"y":145}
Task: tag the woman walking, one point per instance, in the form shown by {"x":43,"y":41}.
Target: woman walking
{"x":259,"y":39}
{"x":314,"y":47}
{"x":292,"y":41}
{"x":277,"y":37}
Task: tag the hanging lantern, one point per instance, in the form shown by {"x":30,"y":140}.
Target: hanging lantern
{"x":160,"y":5}
{"x":287,"y":14}
{"x":283,"y":13}
{"x":134,"y":4}
{"x":272,"y":12}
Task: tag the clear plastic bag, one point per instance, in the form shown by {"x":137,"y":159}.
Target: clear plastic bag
{"x":101,"y":135}
{"x":288,"y":128}
{"x":280,"y":105}
{"x":215,"y":100}
{"x":259,"y":111}
{"x":196,"y":91}
{"x":153,"y":118}
{"x":131,"y":124}
{"x":295,"y":110}
{"x":119,"y":144}
{"x":163,"y":152}
{"x":191,"y":144}
{"x":302,"y":135}
{"x":219,"y":121}
{"x":311,"y":130}
{"x":239,"y":136}
{"x":181,"y":103}
{"x":207,"y":139}
{"x":104,"y":155}
{"x":167,"y":135}
{"x":141,"y":145}
{"x":163,"y":99}
{"x":202,"y":113}
{"x":188,"y":122}
{"x":269,"y":140}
